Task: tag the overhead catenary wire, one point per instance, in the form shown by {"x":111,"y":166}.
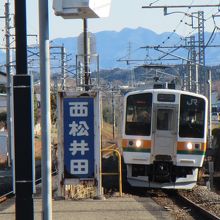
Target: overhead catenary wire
{"x":178,"y":25}
{"x":181,"y":21}
{"x":211,"y":39}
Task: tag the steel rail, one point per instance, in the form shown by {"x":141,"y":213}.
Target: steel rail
{"x":10,"y":194}
{"x":198,"y":208}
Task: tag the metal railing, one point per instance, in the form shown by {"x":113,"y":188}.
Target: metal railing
{"x":119,"y":167}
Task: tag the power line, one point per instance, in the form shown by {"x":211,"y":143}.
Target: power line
{"x":180,"y":6}
{"x":210,"y":38}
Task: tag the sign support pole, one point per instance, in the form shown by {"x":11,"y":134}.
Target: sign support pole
{"x":98,"y":156}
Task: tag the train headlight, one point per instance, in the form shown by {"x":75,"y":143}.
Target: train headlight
{"x":189,"y":146}
{"x":138,"y":143}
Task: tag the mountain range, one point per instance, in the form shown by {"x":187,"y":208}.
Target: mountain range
{"x":126,"y":44}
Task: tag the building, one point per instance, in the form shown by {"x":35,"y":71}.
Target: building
{"x":3,"y":78}
{"x":3,"y":95}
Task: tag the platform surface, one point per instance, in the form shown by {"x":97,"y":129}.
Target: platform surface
{"x":117,"y":208}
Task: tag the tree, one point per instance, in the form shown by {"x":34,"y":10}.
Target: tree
{"x":107,"y":115}
{"x":2,"y":89}
{"x":3,"y":118}
{"x":35,"y":109}
{"x":53,"y":102}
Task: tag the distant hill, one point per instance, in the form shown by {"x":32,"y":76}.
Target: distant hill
{"x":112,"y":45}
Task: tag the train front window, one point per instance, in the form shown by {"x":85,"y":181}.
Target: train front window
{"x":192,"y":117}
{"x":164,"y":119}
{"x":138,"y":114}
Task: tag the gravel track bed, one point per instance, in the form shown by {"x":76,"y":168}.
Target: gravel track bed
{"x":200,"y":195}
{"x":169,"y":203}
{"x":205,"y":198}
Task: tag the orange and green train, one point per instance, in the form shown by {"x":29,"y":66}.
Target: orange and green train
{"x":164,"y":137}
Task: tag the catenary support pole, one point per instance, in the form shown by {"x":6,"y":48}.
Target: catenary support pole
{"x":8,"y":73}
{"x":10,"y":117}
{"x":22,"y":120}
{"x":197,"y":79}
{"x":210,"y":163}
{"x":210,"y":108}
{"x":63,"y":71}
{"x":86,"y":63}
{"x":45,"y":109}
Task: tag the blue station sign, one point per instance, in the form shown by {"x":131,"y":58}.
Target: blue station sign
{"x":78,"y":126}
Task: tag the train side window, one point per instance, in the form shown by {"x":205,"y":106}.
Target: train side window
{"x":138,"y":114}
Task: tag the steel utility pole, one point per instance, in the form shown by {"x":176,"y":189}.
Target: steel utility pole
{"x":63,"y":61}
{"x":210,"y":163}
{"x":210,"y":108}
{"x":201,"y":40}
{"x":192,"y":62}
{"x":113,"y":114}
{"x":86,"y":64}
{"x":197,"y":79}
{"x":201,"y":49}
{"x":8,"y":73}
{"x":45,"y":110}
{"x":22,"y":120}
{"x":7,"y":65}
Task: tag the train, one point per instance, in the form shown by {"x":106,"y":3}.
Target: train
{"x":215,"y":113}
{"x":164,"y":137}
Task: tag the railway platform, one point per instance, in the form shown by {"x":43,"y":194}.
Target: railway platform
{"x":117,"y":208}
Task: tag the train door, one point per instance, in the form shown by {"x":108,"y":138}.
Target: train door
{"x":164,"y":130}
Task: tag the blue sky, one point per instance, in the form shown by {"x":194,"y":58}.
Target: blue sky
{"x":124,"y":13}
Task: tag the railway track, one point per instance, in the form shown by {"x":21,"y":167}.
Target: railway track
{"x":10,"y":194}
{"x":6,"y":196}
{"x":201,"y":212}
{"x":193,"y":210}
{"x":184,"y":204}
{"x":174,"y":201}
